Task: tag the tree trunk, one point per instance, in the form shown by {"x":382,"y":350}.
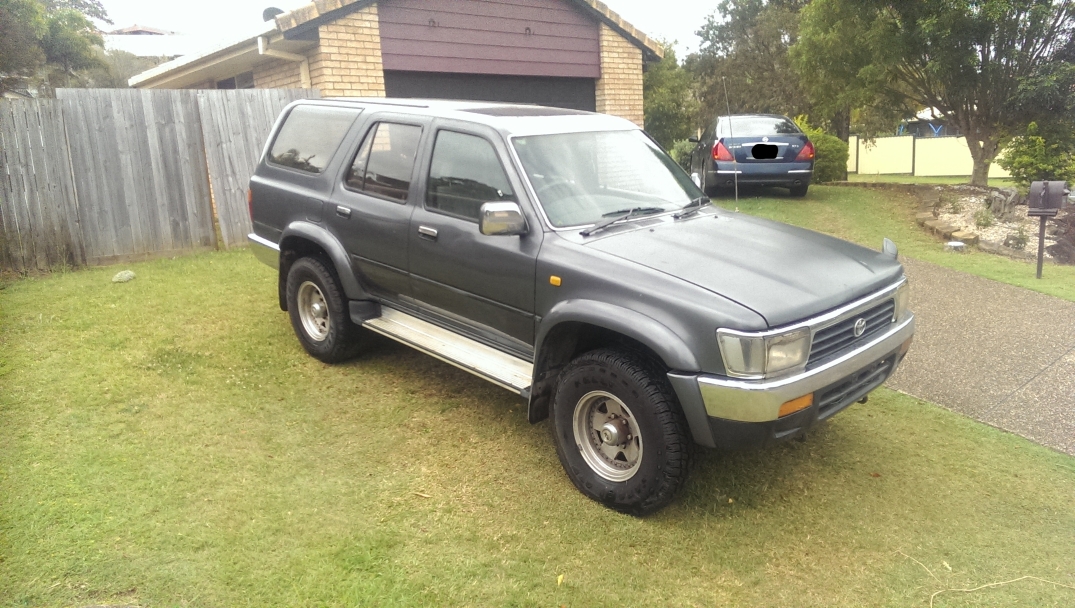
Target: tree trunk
{"x":982,"y":151}
{"x":841,"y":126}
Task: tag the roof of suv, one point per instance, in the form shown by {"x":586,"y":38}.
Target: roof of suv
{"x":510,"y":119}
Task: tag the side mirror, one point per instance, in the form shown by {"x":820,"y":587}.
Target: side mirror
{"x":501,"y":219}
{"x":694,"y":140}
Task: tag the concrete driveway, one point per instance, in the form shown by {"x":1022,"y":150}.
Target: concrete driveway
{"x":997,"y":353}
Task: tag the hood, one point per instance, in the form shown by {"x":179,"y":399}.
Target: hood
{"x":781,"y":272}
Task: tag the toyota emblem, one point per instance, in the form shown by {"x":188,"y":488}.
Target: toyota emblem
{"x":860,"y":326}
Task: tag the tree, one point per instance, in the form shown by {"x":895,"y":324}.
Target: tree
{"x":670,"y":107}
{"x":49,"y":43}
{"x":69,"y":44}
{"x":22,"y":23}
{"x":747,"y":50}
{"x":827,"y":56}
{"x":117,"y":67}
{"x":92,"y":9}
{"x":989,"y":66}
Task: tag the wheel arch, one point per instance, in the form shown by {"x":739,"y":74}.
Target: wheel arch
{"x":300,"y":239}
{"x":578,"y":326}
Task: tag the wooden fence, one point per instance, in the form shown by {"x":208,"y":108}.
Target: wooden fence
{"x":102,"y":175}
{"x":38,"y":212}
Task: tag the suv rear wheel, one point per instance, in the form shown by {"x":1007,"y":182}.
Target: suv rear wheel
{"x":318,"y":311}
{"x":619,"y":431}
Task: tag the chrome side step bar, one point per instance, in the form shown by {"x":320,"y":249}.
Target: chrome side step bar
{"x":483,"y":361}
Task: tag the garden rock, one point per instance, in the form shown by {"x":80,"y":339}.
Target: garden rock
{"x":1014,"y":241}
{"x":124,"y":276}
{"x":1003,"y":203}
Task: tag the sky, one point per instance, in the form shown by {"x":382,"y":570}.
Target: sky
{"x":671,"y":20}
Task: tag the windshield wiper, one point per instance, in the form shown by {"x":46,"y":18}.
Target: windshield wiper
{"x":618,"y":216}
{"x":692,"y":207}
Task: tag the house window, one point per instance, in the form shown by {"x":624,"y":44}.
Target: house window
{"x":242,"y":81}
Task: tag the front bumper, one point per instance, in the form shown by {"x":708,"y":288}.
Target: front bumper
{"x":729,"y":413}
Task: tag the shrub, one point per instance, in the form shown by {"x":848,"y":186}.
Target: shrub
{"x":830,"y":153}
{"x":983,"y":218}
{"x":681,"y":153}
{"x":1033,"y":156}
{"x":951,"y":203}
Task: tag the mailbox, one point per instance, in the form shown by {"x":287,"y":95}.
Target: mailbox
{"x":1046,"y":198}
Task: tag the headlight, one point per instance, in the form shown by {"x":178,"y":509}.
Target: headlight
{"x":903,"y":297}
{"x":753,"y":356}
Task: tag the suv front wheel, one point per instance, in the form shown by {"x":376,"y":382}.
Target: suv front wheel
{"x":318,"y":311}
{"x":619,"y":431}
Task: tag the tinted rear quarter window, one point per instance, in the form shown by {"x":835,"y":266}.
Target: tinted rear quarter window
{"x":310,"y":136}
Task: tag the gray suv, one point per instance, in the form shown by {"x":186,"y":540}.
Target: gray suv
{"x":564,"y":256}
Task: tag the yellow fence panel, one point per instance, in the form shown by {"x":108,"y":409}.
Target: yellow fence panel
{"x":887,"y":155}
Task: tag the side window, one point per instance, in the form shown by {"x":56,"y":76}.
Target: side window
{"x":310,"y":136}
{"x":463,"y":174}
{"x":385,"y":161}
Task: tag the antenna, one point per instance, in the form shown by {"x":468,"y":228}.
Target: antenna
{"x":735,"y":162}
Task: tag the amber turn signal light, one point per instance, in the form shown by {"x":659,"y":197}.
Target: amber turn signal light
{"x":795,"y":405}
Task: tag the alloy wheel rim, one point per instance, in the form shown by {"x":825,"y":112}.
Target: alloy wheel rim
{"x":607,"y":435}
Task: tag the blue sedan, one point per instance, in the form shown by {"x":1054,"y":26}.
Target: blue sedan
{"x":755,"y":149}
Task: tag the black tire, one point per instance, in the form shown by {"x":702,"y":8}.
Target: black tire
{"x":314,"y":293}
{"x":639,"y":389}
{"x":798,"y":191}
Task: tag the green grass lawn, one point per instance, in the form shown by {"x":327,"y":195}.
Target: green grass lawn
{"x":999,"y":182}
{"x":867,"y":216}
{"x":166,"y":442}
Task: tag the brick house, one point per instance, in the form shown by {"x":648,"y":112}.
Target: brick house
{"x":568,"y":53}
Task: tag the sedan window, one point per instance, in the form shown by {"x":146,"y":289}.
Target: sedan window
{"x":756,"y":126}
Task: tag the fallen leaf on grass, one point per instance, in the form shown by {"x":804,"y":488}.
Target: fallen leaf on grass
{"x":559,"y":580}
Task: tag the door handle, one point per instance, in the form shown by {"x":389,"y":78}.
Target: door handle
{"x":429,"y":233}
{"x":343,"y":211}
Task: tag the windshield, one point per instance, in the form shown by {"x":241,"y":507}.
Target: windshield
{"x":580,"y":178}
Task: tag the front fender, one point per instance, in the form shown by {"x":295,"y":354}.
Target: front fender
{"x":646,"y":330}
{"x":334,"y":249}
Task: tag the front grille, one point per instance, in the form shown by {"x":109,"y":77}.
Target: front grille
{"x":837,"y":339}
{"x":836,"y":397}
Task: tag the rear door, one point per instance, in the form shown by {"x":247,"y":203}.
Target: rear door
{"x":478,"y":284}
{"x":372,"y":205}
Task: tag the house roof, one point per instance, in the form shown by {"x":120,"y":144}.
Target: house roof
{"x":292,"y":32}
{"x":140,"y":30}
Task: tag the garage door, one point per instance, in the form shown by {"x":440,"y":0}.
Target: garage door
{"x":571,"y":93}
